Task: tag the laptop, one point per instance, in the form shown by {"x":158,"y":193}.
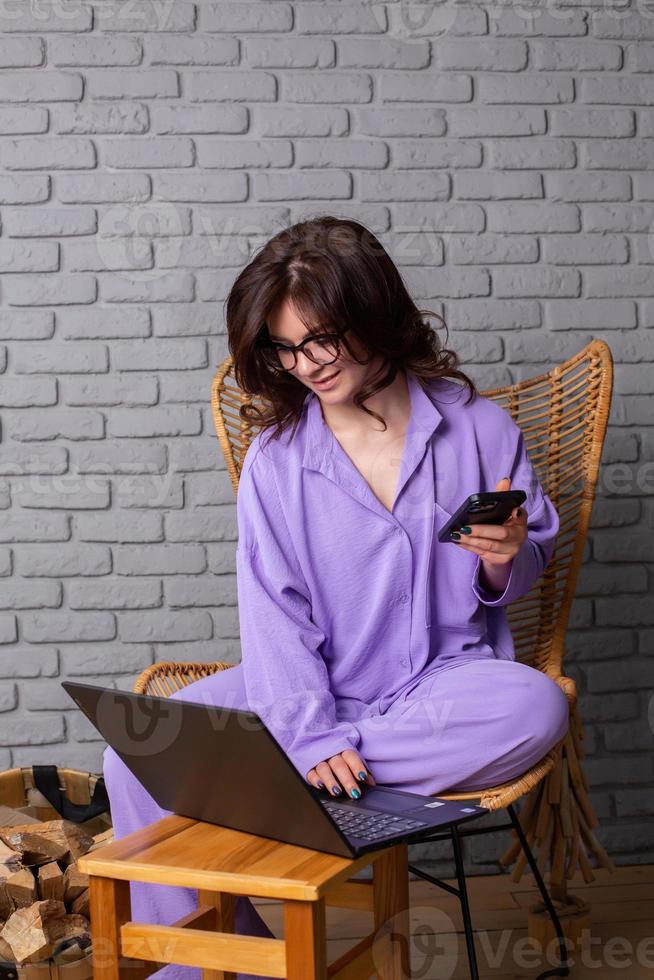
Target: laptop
{"x":223,"y":766}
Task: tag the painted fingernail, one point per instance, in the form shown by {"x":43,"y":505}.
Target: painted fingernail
{"x":320,"y":784}
{"x":355,"y":793}
{"x":336,"y":790}
{"x":362,"y":776}
{"x":457,"y":537}
{"x":466,"y":529}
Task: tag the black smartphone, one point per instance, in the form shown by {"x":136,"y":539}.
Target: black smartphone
{"x":493,"y":507}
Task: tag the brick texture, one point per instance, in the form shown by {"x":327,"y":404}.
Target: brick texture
{"x":504,"y":157}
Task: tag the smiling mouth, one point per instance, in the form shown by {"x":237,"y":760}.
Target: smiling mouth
{"x":329,"y":377}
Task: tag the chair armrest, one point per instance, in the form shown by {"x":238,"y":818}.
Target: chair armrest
{"x":568,"y":687}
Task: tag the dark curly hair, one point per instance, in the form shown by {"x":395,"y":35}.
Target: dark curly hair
{"x":337,"y":275}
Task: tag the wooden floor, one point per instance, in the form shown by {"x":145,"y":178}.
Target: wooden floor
{"x":621,"y":939}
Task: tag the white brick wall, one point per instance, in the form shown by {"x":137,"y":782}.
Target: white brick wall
{"x":146,"y":149}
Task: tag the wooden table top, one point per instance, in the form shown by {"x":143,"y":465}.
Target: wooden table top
{"x":182,"y":851}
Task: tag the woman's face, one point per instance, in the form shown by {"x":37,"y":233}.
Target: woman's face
{"x":285,"y":326}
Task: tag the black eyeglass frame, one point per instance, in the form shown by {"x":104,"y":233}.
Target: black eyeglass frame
{"x":273,"y":345}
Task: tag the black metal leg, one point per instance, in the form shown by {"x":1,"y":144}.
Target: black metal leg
{"x":465,"y":907}
{"x":559,"y":971}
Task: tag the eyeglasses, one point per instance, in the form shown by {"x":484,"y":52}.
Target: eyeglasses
{"x":321,"y":349}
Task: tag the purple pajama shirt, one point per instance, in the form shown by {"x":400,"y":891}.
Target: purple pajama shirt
{"x":359,"y":629}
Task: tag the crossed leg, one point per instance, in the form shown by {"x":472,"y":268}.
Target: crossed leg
{"x":465,"y":726}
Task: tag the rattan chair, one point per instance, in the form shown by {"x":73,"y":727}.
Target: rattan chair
{"x":563,"y":415}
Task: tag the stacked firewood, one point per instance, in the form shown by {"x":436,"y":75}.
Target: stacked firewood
{"x":44,"y":898}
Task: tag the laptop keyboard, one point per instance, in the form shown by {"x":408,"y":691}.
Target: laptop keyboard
{"x":357,"y":821}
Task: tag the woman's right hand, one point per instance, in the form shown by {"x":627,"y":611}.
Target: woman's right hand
{"x":341,"y":772}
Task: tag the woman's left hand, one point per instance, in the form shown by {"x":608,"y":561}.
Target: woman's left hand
{"x":497,"y":544}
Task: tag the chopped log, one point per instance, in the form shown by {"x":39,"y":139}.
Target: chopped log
{"x":28,"y":930}
{"x":6,"y":904}
{"x":75,"y":882}
{"x":8,"y":855}
{"x":6,"y":953}
{"x":81,"y":904}
{"x":99,"y":840}
{"x":51,"y":882}
{"x":21,"y":888}
{"x":74,"y":927}
{"x":71,"y":953}
{"x":63,"y":832}
{"x":6,"y":870}
{"x":37,"y":848}
{"x":33,"y":933}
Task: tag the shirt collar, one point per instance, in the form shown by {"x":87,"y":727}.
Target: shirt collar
{"x":424,"y":420}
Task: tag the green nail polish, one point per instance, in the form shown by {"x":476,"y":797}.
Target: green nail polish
{"x":356,"y":793}
{"x":362,"y":776}
{"x":466,"y":529}
{"x":457,"y":537}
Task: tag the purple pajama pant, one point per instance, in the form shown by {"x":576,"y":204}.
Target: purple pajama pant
{"x":465,"y":725}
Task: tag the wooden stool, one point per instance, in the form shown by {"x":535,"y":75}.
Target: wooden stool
{"x":222,"y":863}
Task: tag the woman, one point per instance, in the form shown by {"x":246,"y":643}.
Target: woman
{"x":372,"y":651}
